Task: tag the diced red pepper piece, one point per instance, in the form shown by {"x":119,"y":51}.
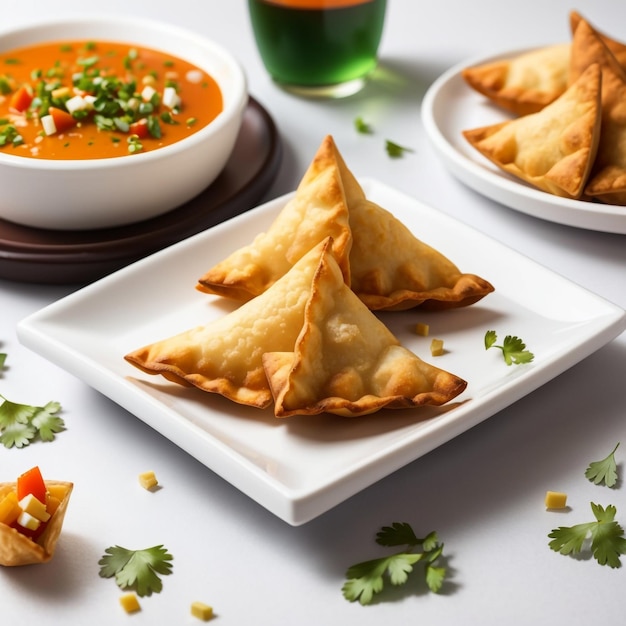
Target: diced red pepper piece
{"x":31,"y":482}
{"x":62,"y":119}
{"x":139,"y":128}
{"x":21,"y":99}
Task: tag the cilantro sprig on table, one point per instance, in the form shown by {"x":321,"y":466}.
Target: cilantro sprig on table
{"x":137,"y":570}
{"x":513,"y":348}
{"x":20,"y":424}
{"x":607,"y":537}
{"x":366,"y":579}
{"x":604,"y":471}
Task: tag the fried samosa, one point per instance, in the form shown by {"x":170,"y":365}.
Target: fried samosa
{"x":607,"y":182}
{"x":309,"y":343}
{"x":617,"y":48}
{"x":403,"y":273}
{"x":225,"y":355}
{"x":554,"y":149}
{"x":524,"y":83}
{"x":346,"y":361}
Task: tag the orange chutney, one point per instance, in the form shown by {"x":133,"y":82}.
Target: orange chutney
{"x":99,"y":99}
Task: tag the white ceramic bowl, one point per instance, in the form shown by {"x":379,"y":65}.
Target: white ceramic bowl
{"x":100,"y":193}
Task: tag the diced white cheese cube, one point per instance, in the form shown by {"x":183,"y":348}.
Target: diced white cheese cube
{"x":49,"y":127}
{"x":170,"y":98}
{"x":147,"y":92}
{"x":76,"y":103}
{"x":26,"y":520}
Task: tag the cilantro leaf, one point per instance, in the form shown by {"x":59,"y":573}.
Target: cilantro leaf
{"x":362,"y":126}
{"x":395,"y":150}
{"x":20,"y":424}
{"x":604,"y":470}
{"x":513,"y":348}
{"x":607,"y":537}
{"x":17,"y":434}
{"x":366,"y":579}
{"x":136,"y":569}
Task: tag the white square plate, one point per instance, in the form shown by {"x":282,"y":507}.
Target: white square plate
{"x":300,"y":467}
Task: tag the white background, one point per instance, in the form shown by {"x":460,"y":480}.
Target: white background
{"x":483,"y":492}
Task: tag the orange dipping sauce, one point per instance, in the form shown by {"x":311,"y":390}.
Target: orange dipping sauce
{"x":114,"y":99}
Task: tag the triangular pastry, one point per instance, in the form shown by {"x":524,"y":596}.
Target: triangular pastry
{"x":17,"y":548}
{"x":617,"y":48}
{"x":225,"y":355}
{"x":311,"y":311}
{"x":524,"y":83}
{"x":402,"y":273}
{"x":553,"y":149}
{"x":607,"y":182}
{"x":346,"y":361}
{"x":318,"y":210}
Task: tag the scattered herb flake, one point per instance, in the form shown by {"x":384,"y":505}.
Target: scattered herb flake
{"x":513,"y":348}
{"x":607,"y":537}
{"x":395,"y":150}
{"x":362,"y":126}
{"x":604,"y":471}
{"x":366,"y":579}
{"x":136,"y":570}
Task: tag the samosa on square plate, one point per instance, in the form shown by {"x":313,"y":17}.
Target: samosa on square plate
{"x":554,"y":149}
{"x":308,"y":343}
{"x":347,"y":362}
{"x":387,"y":266}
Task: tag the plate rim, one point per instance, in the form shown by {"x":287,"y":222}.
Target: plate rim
{"x":499,"y":186}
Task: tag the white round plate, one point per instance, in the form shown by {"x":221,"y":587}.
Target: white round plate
{"x":451,"y":106}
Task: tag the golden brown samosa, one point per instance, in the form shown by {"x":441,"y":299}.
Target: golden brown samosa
{"x":309,"y":343}
{"x":387,"y":266}
{"x":555,"y":148}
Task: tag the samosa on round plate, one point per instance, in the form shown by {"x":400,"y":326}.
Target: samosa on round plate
{"x":554,"y":149}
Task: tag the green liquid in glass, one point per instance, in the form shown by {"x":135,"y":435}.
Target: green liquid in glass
{"x":314,"y":47}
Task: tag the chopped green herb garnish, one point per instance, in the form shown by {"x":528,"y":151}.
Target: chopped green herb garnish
{"x":362,"y":126}
{"x":136,"y":569}
{"x":134,"y":144}
{"x":513,"y":348}
{"x":395,"y":150}
{"x":9,"y":135}
{"x":20,"y":424}
{"x":607,"y":537}
{"x":366,"y":579}
{"x":604,"y":471}
{"x":167,"y":118}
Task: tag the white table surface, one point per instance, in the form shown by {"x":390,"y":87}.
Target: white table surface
{"x":483,"y":492}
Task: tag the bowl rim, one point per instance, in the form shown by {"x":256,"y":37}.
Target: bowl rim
{"x":231,"y":109}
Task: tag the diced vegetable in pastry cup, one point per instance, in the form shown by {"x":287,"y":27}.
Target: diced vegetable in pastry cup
{"x":18,"y":548}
